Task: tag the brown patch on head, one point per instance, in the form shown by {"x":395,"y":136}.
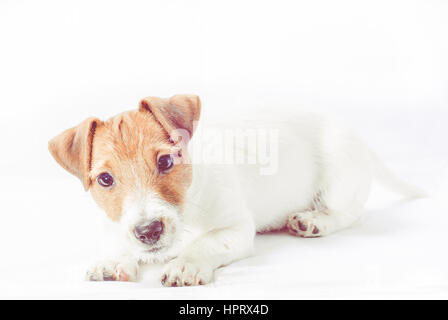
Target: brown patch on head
{"x":127,"y":147}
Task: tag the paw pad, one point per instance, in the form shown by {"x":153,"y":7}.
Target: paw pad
{"x":303,"y":225}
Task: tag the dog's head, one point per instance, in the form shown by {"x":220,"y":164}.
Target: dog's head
{"x":136,"y":166}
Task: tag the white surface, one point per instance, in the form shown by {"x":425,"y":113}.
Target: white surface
{"x":381,"y":65}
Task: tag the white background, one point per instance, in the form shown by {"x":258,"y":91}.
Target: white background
{"x":382,"y":65}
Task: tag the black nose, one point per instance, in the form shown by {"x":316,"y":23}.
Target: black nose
{"x":149,"y":233}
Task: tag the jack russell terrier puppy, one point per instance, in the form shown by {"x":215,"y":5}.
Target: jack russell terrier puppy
{"x":199,"y":217}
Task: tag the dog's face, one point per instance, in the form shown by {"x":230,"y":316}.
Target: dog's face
{"x":136,"y":167}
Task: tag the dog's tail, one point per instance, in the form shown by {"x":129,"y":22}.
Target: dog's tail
{"x":394,"y":183}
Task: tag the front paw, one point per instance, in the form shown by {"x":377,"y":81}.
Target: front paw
{"x":113,"y":270}
{"x":179,"y":272}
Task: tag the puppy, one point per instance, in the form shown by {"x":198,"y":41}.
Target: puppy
{"x":198,"y":217}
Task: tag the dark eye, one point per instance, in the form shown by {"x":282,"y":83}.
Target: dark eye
{"x":105,"y":179}
{"x":165,"y":163}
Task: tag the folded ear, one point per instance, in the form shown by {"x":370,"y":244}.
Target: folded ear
{"x":178,"y":112}
{"x":72,"y":149}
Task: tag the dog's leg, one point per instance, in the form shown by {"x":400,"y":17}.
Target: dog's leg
{"x":124,"y":268}
{"x":337,"y":208}
{"x":196,"y":265}
{"x":343,"y":189}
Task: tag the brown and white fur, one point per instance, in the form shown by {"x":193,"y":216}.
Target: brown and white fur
{"x":210,"y":213}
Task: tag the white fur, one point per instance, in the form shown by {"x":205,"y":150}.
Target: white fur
{"x":323,"y":178}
